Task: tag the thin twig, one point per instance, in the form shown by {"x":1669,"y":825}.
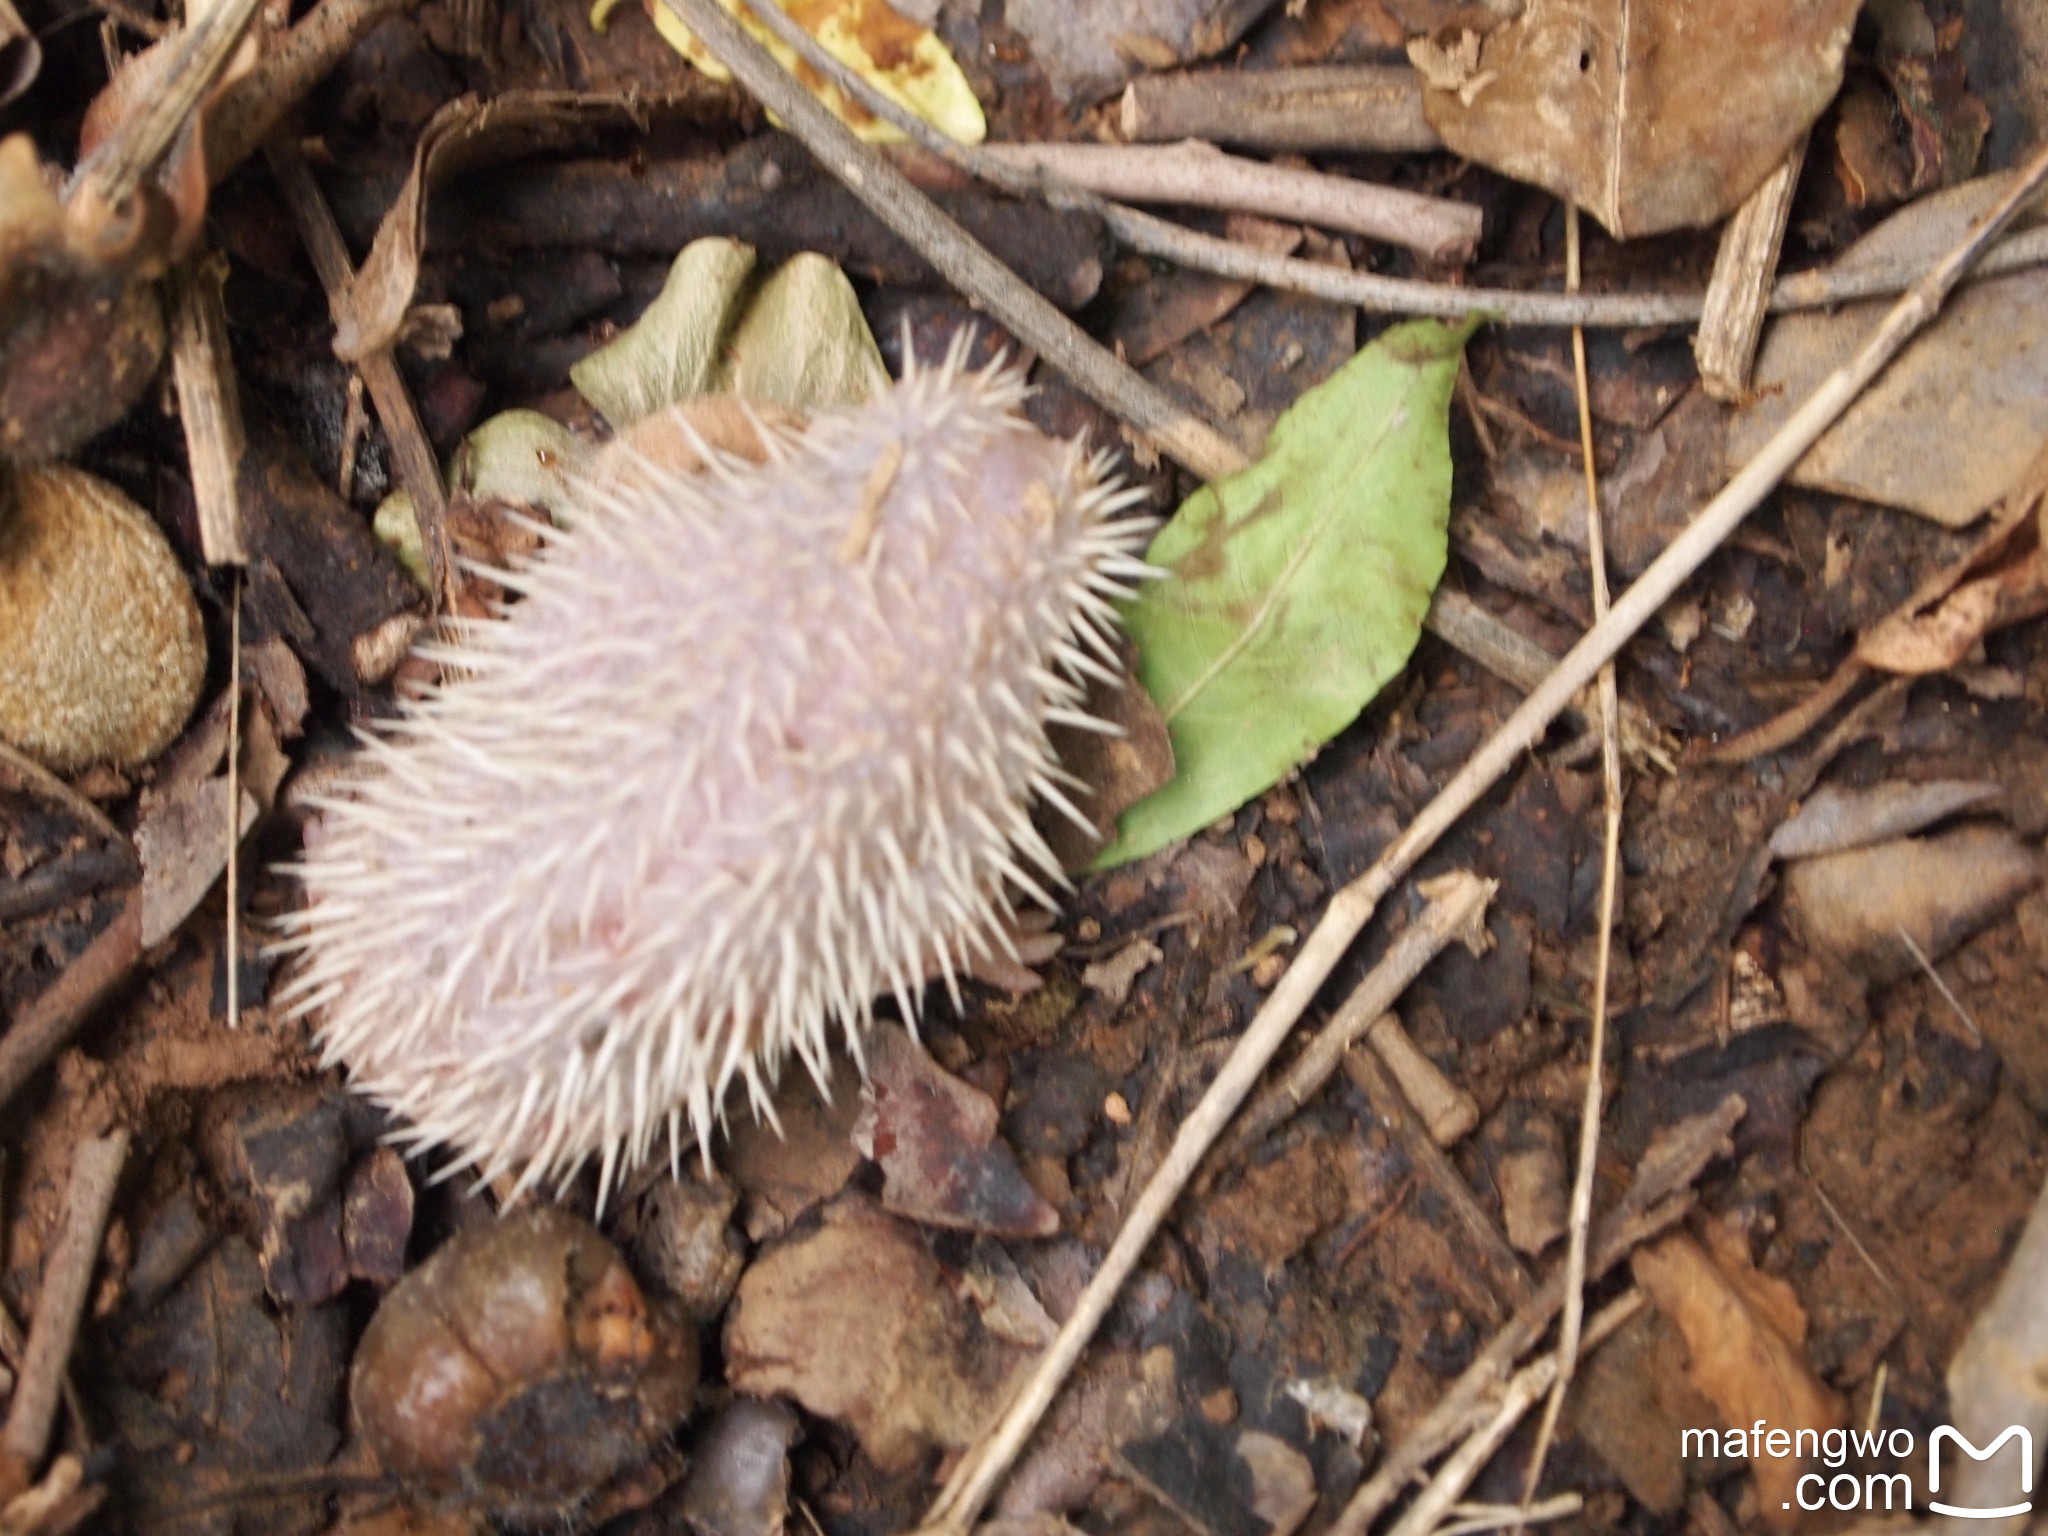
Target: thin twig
{"x":1452,"y":914}
{"x":1581,"y":1221}
{"x":234,"y":796}
{"x":1820,"y":289}
{"x":35,"y":779}
{"x":975,"y":1479}
{"x":955,"y":254}
{"x":249,"y":109}
{"x":67,"y":1278}
{"x":1780,"y":731}
{"x":1657,"y":1198}
{"x":1200,"y":175}
{"x":65,"y":879}
{"x":56,"y":1013}
{"x":418,"y":470}
{"x":209,"y":405}
{"x":1524,"y":1388}
{"x":1920,"y":959}
{"x":110,"y":175}
{"x":1471,"y":1519}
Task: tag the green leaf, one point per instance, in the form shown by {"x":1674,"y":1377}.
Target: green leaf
{"x":1295,"y":589}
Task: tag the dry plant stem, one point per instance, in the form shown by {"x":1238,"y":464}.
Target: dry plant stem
{"x":1656,"y":1199}
{"x":956,"y":255}
{"x":974,"y":1480}
{"x":35,"y":779}
{"x":1453,"y":914}
{"x":1494,"y":1258}
{"x":208,"y":405}
{"x":1581,"y":1218}
{"x":1510,"y":306}
{"x":234,"y":828}
{"x":65,"y":880}
{"x":111,"y":174}
{"x":1776,"y":734}
{"x":42,"y":1028}
{"x":67,"y":1277}
{"x":1328,"y":106}
{"x":1741,"y":285}
{"x":1470,"y":1519}
{"x":418,"y":470}
{"x":1447,"y":1110}
{"x":1199,"y":175}
{"x":1523,"y":1389}
{"x":21,"y":56}
{"x":250,"y":108}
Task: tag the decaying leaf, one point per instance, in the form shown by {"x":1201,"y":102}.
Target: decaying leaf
{"x":1296,"y":588}
{"x":1872,"y":908}
{"x":1650,"y":114}
{"x":908,"y":1367}
{"x":904,"y":61}
{"x":942,"y":1161}
{"x":1745,"y":1334}
{"x":1090,"y":47}
{"x":1960,"y":412}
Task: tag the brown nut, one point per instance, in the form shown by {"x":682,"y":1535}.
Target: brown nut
{"x":102,"y":651}
{"x":520,"y":1369}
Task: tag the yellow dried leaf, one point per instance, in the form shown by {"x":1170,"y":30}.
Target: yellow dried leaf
{"x":905,"y":62}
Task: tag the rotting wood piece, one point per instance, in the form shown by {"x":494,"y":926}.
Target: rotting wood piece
{"x":317,"y":578}
{"x":1325,"y":106}
{"x":767,"y":192}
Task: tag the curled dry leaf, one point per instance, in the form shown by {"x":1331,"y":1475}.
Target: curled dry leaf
{"x":1915,"y":644}
{"x":1651,"y":116}
{"x":106,"y":653}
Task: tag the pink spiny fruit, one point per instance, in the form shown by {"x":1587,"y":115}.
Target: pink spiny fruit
{"x":755,"y":746}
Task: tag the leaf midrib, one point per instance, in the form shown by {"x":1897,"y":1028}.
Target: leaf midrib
{"x":1285,"y":579}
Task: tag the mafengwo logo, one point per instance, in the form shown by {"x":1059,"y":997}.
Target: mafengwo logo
{"x":1969,"y":1512}
{"x":1853,"y":1492}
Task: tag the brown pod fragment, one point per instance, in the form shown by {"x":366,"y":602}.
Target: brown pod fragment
{"x":520,"y":1369}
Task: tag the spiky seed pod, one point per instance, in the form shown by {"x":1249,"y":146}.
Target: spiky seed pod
{"x":754,"y":747}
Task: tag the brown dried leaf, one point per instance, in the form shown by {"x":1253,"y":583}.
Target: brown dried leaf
{"x":1650,"y":114}
{"x":935,"y":1137}
{"x":466,"y":134}
{"x":1742,"y":1332}
{"x":1962,"y":411}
